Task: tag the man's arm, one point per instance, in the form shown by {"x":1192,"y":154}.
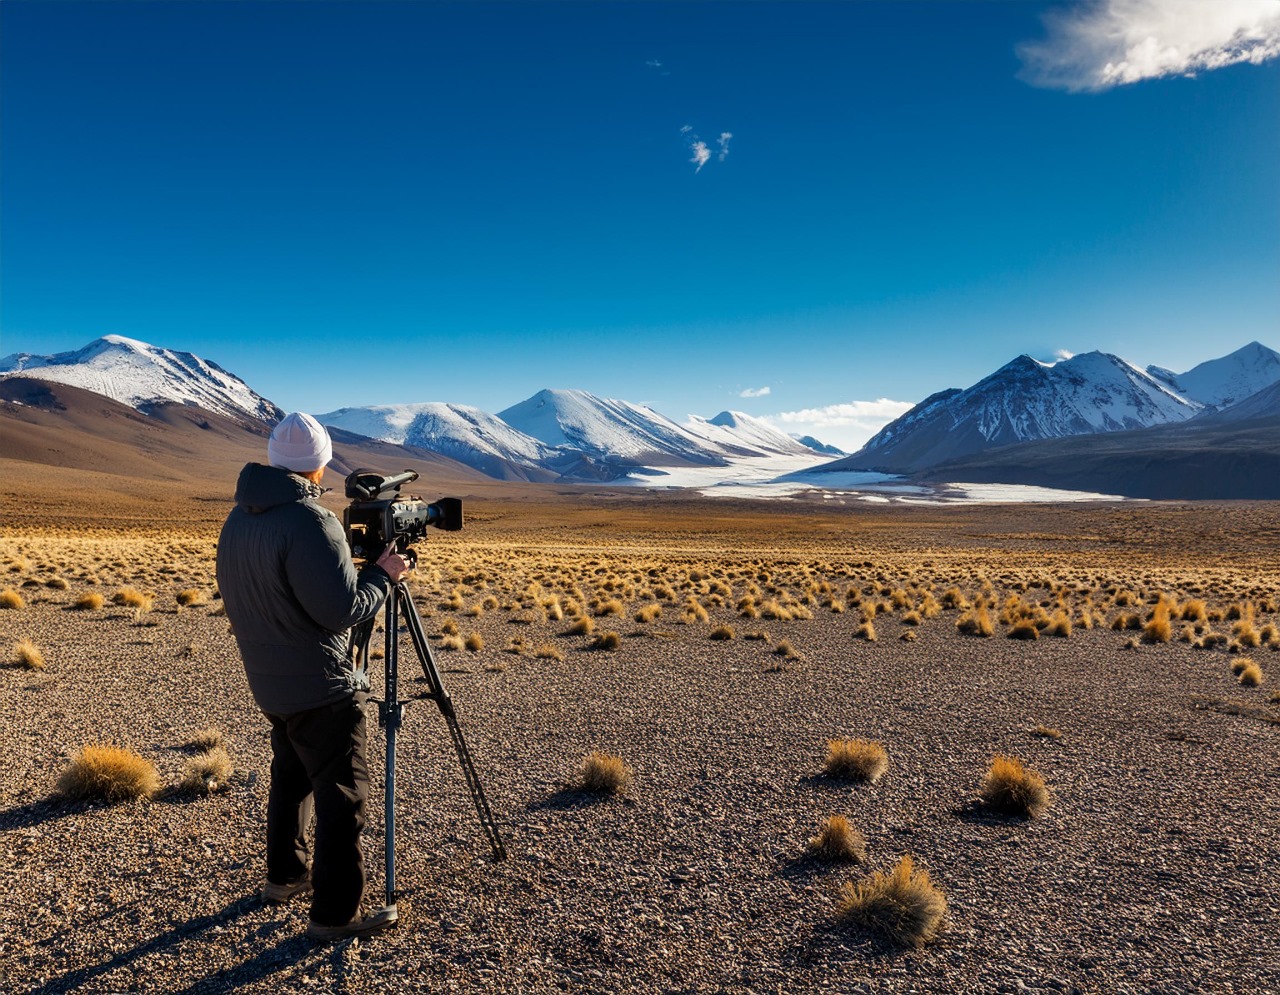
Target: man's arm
{"x":323,"y":578}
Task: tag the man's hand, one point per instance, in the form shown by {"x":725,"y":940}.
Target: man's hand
{"x":393,"y":563}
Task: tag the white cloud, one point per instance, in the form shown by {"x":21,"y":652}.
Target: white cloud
{"x":701,"y":151}
{"x":755,"y":392}
{"x":1062,"y":355}
{"x":700,"y":155}
{"x":1106,"y":43}
{"x":846,"y":425}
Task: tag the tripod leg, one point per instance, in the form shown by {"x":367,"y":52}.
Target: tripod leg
{"x":392,"y":715}
{"x":440,"y":696}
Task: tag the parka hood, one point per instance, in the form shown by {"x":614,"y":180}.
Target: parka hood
{"x":261,"y":488}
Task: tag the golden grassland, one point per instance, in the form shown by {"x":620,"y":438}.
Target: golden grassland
{"x":1201,"y":574}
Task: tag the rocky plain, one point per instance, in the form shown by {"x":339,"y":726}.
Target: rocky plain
{"x":746,"y":637}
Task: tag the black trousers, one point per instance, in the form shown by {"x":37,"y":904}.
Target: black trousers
{"x":319,"y":765}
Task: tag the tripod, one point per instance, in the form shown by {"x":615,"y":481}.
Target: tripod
{"x":391,"y":716}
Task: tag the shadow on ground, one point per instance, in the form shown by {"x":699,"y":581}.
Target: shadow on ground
{"x":268,"y":961}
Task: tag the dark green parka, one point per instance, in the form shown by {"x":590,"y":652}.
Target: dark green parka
{"x":291,"y":591}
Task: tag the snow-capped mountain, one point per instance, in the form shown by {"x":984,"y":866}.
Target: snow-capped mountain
{"x":142,"y":375}
{"x":1220,"y":383}
{"x":1023,"y":401}
{"x":737,"y":434}
{"x":467,"y":434}
{"x":818,"y":446}
{"x":608,"y":429}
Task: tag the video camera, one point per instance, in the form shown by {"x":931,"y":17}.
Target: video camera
{"x":378,"y":514}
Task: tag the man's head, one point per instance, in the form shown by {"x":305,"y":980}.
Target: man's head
{"x":301,"y":444}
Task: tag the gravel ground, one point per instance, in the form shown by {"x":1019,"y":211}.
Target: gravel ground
{"x":1154,"y":870}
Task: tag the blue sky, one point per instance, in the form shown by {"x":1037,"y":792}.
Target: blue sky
{"x":360,"y":203}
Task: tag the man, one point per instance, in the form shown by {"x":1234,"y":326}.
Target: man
{"x":292,"y":593}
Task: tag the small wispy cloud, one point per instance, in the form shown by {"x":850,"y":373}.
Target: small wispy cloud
{"x":1108,"y":43}
{"x":700,"y":151}
{"x":755,"y":392}
{"x":701,"y":155}
{"x":1061,"y":355}
{"x":653,"y":63}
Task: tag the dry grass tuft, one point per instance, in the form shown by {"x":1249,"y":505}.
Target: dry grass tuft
{"x":902,"y":905}
{"x":90,"y":602}
{"x":191,"y":596}
{"x":130,"y":597}
{"x":693,"y":612}
{"x":785,"y":650}
{"x":207,"y":773}
{"x":475,"y":642}
{"x":856,"y":760}
{"x":648,"y":613}
{"x":1237,"y":666}
{"x":1251,"y":674}
{"x":27,"y":654}
{"x":976,"y":621}
{"x":111,"y":773}
{"x":722,"y":633}
{"x":1059,"y":625}
{"x":1013,"y":789}
{"x":582,"y":627}
{"x":1024,"y":629}
{"x":1159,"y":629}
{"x":865,"y":631}
{"x":1246,"y":635}
{"x":11,"y":599}
{"x":1046,"y":732}
{"x":548,"y":652}
{"x":1193,"y":611}
{"x":604,"y":774}
{"x":452,"y":643}
{"x":204,"y":740}
{"x":606,"y":641}
{"x":837,"y":840}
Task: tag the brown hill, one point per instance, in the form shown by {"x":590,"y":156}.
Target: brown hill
{"x":77,"y":455}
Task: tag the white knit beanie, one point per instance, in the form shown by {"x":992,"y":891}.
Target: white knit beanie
{"x":299,"y":443}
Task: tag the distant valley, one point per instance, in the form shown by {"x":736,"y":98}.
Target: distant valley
{"x":1093,"y":422}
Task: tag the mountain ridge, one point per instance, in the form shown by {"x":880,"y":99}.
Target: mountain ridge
{"x":574,"y":436}
{"x":141,"y":375}
{"x":1026,"y":400}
